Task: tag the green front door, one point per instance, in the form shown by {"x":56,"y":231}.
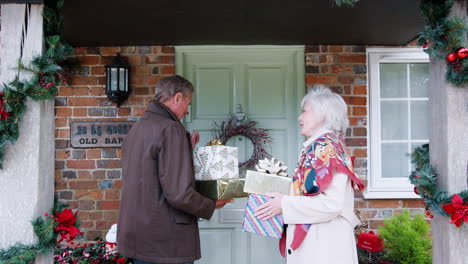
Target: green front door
{"x":267,"y":82}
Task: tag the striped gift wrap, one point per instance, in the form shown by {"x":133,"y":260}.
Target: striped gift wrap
{"x":272,"y":227}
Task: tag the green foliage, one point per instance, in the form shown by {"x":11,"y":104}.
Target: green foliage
{"x":407,"y":239}
{"x":435,"y":10}
{"x":53,"y":22}
{"x":18,"y":254}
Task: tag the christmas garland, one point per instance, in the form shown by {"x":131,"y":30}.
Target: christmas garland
{"x":60,"y":221}
{"x":424,"y":177}
{"x":445,"y":38}
{"x":48,"y":71}
{"x":350,"y":3}
{"x":248,"y":129}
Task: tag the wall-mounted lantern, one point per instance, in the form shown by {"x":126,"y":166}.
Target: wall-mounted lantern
{"x":117,"y":80}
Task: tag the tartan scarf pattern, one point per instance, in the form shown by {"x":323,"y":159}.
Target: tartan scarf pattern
{"x":314,"y":173}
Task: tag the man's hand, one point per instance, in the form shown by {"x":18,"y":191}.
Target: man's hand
{"x":194,"y":138}
{"x":221,"y":203}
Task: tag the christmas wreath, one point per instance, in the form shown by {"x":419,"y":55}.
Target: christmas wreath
{"x":445,"y":38}
{"x":424,"y":177}
{"x":247,"y":128}
{"x":47,"y":72}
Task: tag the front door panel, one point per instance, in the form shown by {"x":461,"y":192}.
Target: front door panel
{"x":268,"y":82}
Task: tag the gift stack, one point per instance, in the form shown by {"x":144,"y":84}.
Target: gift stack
{"x":217,"y":172}
{"x":270,"y":177}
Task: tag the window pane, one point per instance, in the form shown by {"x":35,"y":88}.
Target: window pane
{"x":419,"y":119}
{"x":394,"y":120}
{"x":393,"y":80}
{"x":395,"y":160}
{"x":419,"y":79}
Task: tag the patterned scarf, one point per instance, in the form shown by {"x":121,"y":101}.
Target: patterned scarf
{"x":314,"y":173}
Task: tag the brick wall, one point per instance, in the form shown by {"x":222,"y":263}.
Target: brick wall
{"x":90,"y":179}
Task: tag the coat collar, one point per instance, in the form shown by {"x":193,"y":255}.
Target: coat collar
{"x":311,"y":139}
{"x":158,"y":108}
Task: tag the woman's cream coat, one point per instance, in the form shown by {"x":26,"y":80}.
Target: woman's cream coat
{"x":330,"y":239}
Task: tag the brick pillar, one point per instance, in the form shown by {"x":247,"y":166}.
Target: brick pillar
{"x":449,"y":153}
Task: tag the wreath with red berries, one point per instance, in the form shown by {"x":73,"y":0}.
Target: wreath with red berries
{"x":424,"y":177}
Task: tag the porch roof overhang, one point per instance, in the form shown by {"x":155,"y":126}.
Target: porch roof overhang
{"x":240,"y":22}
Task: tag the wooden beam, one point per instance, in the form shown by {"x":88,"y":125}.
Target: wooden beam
{"x":449,"y":152}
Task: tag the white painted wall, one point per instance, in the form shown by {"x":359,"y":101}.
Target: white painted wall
{"x":27,"y":180}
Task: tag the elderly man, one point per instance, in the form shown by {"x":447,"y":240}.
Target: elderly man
{"x":160,"y":206}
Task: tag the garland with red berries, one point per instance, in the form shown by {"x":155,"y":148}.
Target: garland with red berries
{"x":445,"y":38}
{"x":48,"y":71}
{"x":424,"y":177}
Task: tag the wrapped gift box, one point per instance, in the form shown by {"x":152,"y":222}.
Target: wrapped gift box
{"x":221,"y":189}
{"x":272,"y":227}
{"x":262,"y":183}
{"x":216,"y":162}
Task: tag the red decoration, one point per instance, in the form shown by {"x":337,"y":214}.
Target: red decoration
{"x":457,"y":210}
{"x":416,"y":191}
{"x":425,"y":45}
{"x":3,"y":112}
{"x":451,"y":57}
{"x":66,"y":225}
{"x":461,"y":52}
{"x":370,"y":241}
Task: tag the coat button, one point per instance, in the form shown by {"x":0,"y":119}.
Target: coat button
{"x":289,"y":251}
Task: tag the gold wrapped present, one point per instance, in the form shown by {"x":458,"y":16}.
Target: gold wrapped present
{"x":262,"y":183}
{"x":222,"y":189}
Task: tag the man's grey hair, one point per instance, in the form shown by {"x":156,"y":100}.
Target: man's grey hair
{"x":328,"y":106}
{"x":169,"y":86}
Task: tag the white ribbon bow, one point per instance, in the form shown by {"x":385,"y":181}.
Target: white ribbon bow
{"x":272,"y":166}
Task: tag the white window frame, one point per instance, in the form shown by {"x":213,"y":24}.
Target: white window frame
{"x":379,"y":187}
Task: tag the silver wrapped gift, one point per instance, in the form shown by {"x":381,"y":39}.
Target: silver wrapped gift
{"x":262,"y":183}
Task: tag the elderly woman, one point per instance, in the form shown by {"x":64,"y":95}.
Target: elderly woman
{"x":319,"y":212}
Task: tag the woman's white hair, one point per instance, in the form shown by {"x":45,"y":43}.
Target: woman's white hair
{"x":328,"y":106}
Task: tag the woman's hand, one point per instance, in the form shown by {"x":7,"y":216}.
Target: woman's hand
{"x":270,"y":208}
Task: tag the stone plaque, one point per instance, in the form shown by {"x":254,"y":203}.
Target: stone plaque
{"x":99,"y":134}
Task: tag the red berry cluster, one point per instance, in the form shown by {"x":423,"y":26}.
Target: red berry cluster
{"x":428,"y":213}
{"x":63,"y":76}
{"x":44,"y":83}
